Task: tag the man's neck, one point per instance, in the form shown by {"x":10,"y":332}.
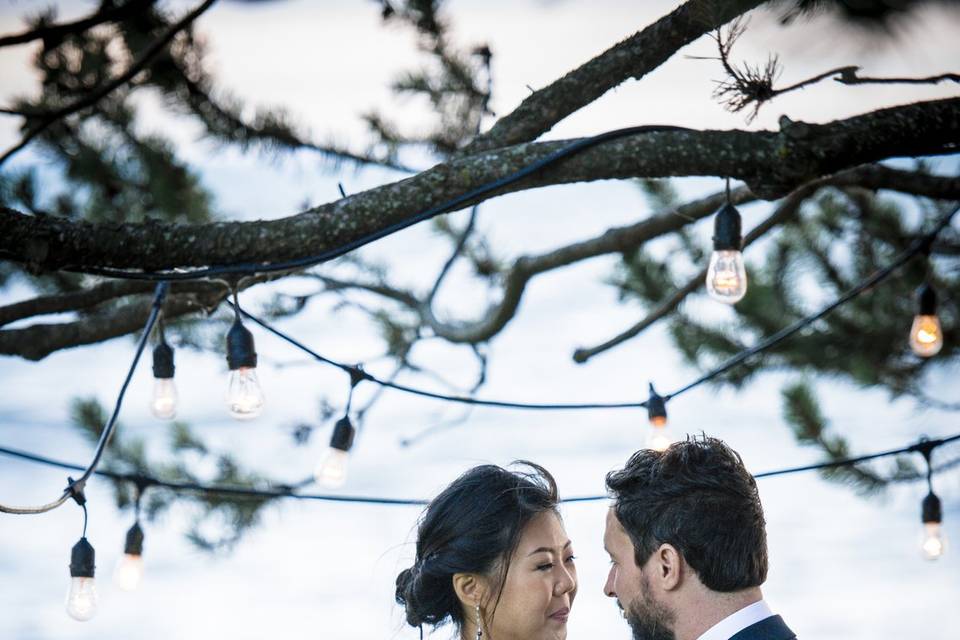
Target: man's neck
{"x":707,"y":608}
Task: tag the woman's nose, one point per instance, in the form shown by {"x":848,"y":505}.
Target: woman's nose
{"x":566,"y":583}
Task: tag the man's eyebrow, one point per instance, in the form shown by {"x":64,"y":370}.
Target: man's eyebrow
{"x":547,"y":549}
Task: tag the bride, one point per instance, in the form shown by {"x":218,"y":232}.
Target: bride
{"x":493,"y":558}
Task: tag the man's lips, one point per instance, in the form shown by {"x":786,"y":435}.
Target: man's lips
{"x":560,"y":614}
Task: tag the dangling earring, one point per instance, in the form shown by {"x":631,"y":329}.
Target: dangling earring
{"x":479,"y":623}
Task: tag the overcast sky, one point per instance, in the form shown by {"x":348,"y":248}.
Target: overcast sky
{"x":842,"y":567}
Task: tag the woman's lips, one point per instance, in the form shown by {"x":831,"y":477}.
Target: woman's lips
{"x":560,"y":615}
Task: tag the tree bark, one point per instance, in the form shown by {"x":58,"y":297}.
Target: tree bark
{"x":771,"y":163}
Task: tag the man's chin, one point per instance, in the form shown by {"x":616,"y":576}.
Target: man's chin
{"x":651,"y":622}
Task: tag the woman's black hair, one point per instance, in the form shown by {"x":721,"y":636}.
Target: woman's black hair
{"x":473,"y":526}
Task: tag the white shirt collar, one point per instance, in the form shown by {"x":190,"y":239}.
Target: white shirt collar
{"x":738,"y":621}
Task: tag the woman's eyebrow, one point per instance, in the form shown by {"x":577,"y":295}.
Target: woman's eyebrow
{"x":548,"y":549}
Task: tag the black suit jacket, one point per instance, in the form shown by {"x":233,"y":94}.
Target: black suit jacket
{"x":772,"y":628}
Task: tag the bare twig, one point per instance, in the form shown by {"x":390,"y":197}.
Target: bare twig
{"x":458,"y":248}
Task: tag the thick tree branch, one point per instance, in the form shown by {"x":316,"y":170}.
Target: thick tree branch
{"x":52,"y":34}
{"x":136,"y":67}
{"x":771,"y":163}
{"x":635,"y":57}
{"x":40,"y":340}
{"x":89,"y":298}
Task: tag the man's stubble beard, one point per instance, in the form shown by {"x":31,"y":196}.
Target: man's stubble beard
{"x":649,"y":619}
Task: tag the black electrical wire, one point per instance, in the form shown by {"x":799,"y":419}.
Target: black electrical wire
{"x":920,"y":245}
{"x":76,"y":486}
{"x":285,"y":492}
{"x":450,"y":205}
{"x":353,"y":370}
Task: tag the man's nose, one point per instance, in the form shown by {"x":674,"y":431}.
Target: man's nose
{"x":608,"y":588}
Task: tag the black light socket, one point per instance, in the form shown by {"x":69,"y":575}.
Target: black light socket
{"x":926,"y":300}
{"x":134,"y":543}
{"x":932,"y":512}
{"x":727,"y":234}
{"x":656,"y":408}
{"x":82,"y":559}
{"x":163,"y":361}
{"x":343,"y":435}
{"x":240,"y":349}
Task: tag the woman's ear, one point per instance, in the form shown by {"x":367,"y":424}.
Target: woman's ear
{"x":470,"y":589}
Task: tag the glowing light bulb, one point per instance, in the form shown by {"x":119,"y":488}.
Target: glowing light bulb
{"x":82,"y":597}
{"x":332,"y":470}
{"x":244,"y":395}
{"x":659,"y":439}
{"x":934,"y":541}
{"x":163,"y":405}
{"x":129,"y":570}
{"x":933,"y":544}
{"x":926,"y":336}
{"x":727,"y":276}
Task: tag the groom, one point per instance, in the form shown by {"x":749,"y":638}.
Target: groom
{"x":688,"y":547}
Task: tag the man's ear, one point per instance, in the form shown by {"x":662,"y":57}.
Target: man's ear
{"x":470,"y":588}
{"x":668,"y":567}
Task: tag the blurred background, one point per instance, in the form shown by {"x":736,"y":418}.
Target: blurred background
{"x":282,"y":92}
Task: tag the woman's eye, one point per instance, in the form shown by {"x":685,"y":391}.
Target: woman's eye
{"x":545,"y":567}
{"x":571,"y":558}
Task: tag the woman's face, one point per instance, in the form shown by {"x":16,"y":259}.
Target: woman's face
{"x":539,"y":587}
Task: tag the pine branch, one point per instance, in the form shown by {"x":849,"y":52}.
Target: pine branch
{"x":138,"y":65}
{"x":53,"y":34}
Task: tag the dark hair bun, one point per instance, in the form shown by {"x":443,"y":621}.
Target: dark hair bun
{"x":471,"y":527}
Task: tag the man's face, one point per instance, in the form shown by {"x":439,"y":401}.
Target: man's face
{"x":648,"y":618}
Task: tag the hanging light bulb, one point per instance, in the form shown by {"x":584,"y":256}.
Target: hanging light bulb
{"x":82,"y":596}
{"x":129,"y":571}
{"x":659,"y":438}
{"x":933,"y":542}
{"x":926,"y":335}
{"x":332,"y":470}
{"x":726,"y":275}
{"x":244,"y":396}
{"x":163,"y":405}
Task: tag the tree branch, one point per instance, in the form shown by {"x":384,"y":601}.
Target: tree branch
{"x":136,"y":67}
{"x":40,"y":340}
{"x":616,"y":240}
{"x":784,"y":211}
{"x":770,"y":163}
{"x":51,"y":34}
{"x":635,"y":57}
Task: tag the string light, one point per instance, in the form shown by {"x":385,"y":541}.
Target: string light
{"x":129,"y":570}
{"x":163,"y":404}
{"x":726,"y":275}
{"x":332,"y":470}
{"x":933,"y":542}
{"x":659,"y":439}
{"x":244,"y":395}
{"x":926,"y":334}
{"x":82,"y":598}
